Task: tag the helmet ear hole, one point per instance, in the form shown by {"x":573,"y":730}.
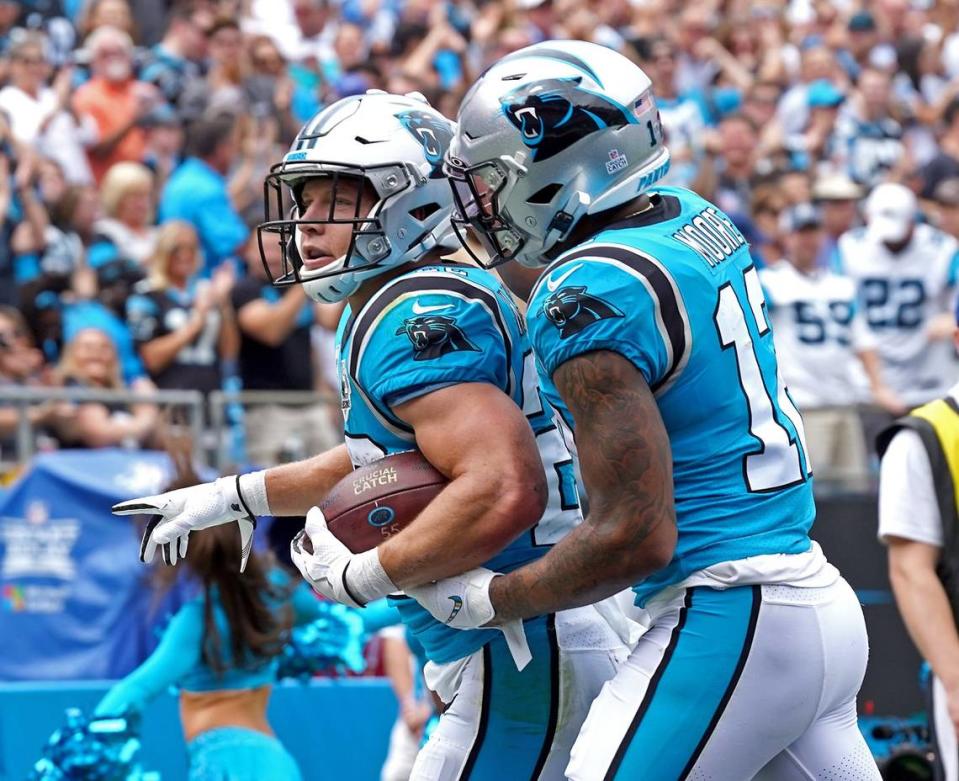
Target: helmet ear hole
{"x":545,"y":194}
{"x":422,"y":213}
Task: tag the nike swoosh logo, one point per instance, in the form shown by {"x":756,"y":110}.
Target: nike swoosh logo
{"x":422,"y":310}
{"x":457,"y":606}
{"x":552,"y":284}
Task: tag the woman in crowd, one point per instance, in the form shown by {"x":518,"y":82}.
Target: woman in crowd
{"x":41,"y":115}
{"x":127,"y":194}
{"x":184,"y":328}
{"x":90,"y":361}
{"x":21,"y":366}
{"x":59,"y":243}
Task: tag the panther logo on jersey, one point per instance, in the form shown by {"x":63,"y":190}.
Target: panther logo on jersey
{"x":571,"y":309}
{"x":434,"y":336}
{"x":435,"y":136}
{"x":553,"y":114}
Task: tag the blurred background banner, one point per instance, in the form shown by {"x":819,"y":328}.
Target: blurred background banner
{"x":73,"y":599}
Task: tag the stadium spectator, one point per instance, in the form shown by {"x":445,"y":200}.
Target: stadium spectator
{"x":60,"y":244}
{"x":276,"y":353}
{"x":861,"y":39}
{"x":178,"y":59}
{"x":22,"y":365}
{"x":127,"y":195}
{"x":42,"y":116}
{"x":90,"y":361}
{"x":945,"y":164}
{"x":683,"y":115}
{"x":227,"y":67}
{"x":824,"y":100}
{"x":164,"y":144}
{"x":819,"y":336}
{"x":818,"y":64}
{"x":115,"y":100}
{"x":106,"y":13}
{"x":767,"y":205}
{"x":869,"y":138}
{"x":759,"y":106}
{"x":945,"y":207}
{"x":269,"y":86}
{"x":197,"y":190}
{"x":183,"y":329}
{"x":906,"y":274}
{"x":735,"y":164}
{"x":106,"y":311}
{"x":837,"y":197}
{"x":8,"y":215}
{"x":695,"y":69}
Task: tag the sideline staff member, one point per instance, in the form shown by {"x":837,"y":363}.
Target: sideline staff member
{"x":919,"y":522}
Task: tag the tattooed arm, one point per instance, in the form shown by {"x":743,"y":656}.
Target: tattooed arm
{"x":627,"y":468}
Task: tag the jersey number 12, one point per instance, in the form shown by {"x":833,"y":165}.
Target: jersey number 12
{"x":781,"y":459}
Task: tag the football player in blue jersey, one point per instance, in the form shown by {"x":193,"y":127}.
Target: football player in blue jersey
{"x":433,"y":355}
{"x":652,"y":339}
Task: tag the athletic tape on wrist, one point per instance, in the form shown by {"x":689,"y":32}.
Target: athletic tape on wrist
{"x":367,"y":578}
{"x":252,"y":490}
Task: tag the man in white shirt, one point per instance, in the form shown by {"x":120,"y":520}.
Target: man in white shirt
{"x":820,"y":333}
{"x":917,"y":521}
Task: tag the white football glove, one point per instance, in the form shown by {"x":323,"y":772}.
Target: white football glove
{"x":323,"y":561}
{"x":175,"y":514}
{"x":463,"y":602}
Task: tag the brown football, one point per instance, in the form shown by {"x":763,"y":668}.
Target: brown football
{"x":377,"y":501}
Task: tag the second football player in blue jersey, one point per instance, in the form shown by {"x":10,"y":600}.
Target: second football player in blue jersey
{"x":652,"y":339}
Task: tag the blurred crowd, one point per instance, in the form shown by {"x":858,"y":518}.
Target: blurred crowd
{"x":135,"y":135}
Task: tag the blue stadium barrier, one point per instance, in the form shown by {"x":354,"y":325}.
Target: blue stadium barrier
{"x":336,"y":729}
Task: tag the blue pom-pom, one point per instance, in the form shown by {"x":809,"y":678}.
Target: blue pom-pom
{"x":331,"y":643}
{"x":92,"y":749}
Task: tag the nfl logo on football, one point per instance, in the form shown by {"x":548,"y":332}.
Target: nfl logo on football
{"x":617,"y":161}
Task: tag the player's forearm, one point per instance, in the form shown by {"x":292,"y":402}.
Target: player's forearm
{"x":627,"y":470}
{"x":928,"y":617}
{"x":464,"y":526}
{"x":292,"y":489}
{"x":592,"y":562}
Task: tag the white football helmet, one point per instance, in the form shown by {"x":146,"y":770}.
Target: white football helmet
{"x":396,"y":143}
{"x":549,"y":134}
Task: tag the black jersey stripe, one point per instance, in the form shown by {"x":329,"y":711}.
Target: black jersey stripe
{"x":671,"y":309}
{"x":424,"y":283}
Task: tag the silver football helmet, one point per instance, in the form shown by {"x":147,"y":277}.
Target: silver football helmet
{"x":549,"y":134}
{"x":392,"y":143}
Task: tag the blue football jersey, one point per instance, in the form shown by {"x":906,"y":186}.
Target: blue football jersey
{"x":430,"y":328}
{"x":675,"y":292}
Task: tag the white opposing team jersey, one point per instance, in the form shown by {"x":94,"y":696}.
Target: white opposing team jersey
{"x":900,"y":294}
{"x":818,"y":329}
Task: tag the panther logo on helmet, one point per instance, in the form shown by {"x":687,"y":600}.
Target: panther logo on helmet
{"x":571,"y":309}
{"x":434,"y":336}
{"x":553,"y":114}
{"x":434,"y":135}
